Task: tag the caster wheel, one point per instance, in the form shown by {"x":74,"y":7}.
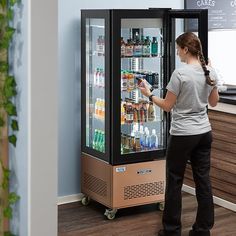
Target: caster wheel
{"x":161,"y":206}
{"x":110,"y":214}
{"x":85,"y":201}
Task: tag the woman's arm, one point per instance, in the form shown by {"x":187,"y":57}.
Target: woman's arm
{"x":166,"y":104}
{"x":213,"y":97}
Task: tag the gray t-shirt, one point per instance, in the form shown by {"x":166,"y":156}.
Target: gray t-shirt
{"x":189,"y":114}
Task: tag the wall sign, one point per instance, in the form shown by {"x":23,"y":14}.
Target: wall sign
{"x":221,"y":13}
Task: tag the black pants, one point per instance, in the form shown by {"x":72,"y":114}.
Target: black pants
{"x":195,"y":148}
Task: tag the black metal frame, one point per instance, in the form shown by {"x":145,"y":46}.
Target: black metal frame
{"x":202,"y":16}
{"x":117,"y":15}
{"x":112,"y":73}
{"x":104,"y":14}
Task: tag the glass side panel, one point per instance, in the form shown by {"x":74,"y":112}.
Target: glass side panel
{"x":142,"y":123}
{"x":95,"y":84}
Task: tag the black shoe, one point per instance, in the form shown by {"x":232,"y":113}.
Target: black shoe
{"x":161,"y":232}
{"x":199,"y":233}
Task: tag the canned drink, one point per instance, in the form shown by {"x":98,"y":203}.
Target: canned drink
{"x":155,"y":78}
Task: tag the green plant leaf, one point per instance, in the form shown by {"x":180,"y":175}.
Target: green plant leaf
{"x":2,"y":122}
{"x":13,"y":2}
{"x":13,"y":198}
{"x":7,"y":212}
{"x":14,"y":125}
{"x":7,"y":36}
{"x":10,"y":108}
{"x":10,"y":81}
{"x":8,"y":233}
{"x":3,"y":20}
{"x":3,"y":66}
{"x":10,"y":14}
{"x":3,"y":3}
{"x":6,"y":177}
{"x":9,"y":91}
{"x":12,"y":139}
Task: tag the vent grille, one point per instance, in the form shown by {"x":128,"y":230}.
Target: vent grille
{"x":143,"y":190}
{"x":95,"y":185}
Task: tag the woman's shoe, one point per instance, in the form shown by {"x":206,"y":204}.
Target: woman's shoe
{"x":199,"y":233}
{"x":161,"y":232}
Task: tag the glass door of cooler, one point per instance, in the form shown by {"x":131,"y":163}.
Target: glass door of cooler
{"x":95,"y":83}
{"x":181,"y":21}
{"x":142,"y":125}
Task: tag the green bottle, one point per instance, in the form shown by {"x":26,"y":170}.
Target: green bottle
{"x":154,"y":47}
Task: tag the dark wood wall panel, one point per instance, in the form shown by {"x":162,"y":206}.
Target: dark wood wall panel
{"x":223,"y":156}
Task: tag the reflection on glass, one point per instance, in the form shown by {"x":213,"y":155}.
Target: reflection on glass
{"x":142,"y":123}
{"x":95,"y":84}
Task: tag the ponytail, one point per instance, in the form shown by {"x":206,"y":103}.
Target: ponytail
{"x":209,"y":81}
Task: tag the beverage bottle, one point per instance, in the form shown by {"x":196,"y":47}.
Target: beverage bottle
{"x":99,"y":107}
{"x":129,"y":47}
{"x":136,"y":113}
{"x":95,"y":138}
{"x":122,"y":47}
{"x":129,"y":113}
{"x":101,"y":78}
{"x":97,"y":144}
{"x":130,"y":82}
{"x":98,"y":44}
{"x":145,"y":111}
{"x":132,"y":146}
{"x":126,"y":146}
{"x":142,"y":42}
{"x":141,"y":82}
{"x":154,"y":47}
{"x":122,"y":113}
{"x":153,"y":140}
{"x":95,"y":77}
{"x":151,"y":112}
{"x":147,"y":138}
{"x":142,"y":137}
{"x":155,"y":79}
{"x":137,"y":48}
{"x":102,"y":145}
{"x":147,"y":47}
{"x":123,"y":81}
{"x":96,"y":107}
{"x":102,"y":108}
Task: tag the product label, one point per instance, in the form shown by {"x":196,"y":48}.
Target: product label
{"x":121,"y":169}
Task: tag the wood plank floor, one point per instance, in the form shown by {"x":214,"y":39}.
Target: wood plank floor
{"x":77,"y":220}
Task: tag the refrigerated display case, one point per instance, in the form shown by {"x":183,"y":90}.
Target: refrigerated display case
{"x":124,"y":136}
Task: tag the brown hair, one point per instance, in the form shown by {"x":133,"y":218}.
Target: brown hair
{"x":193,"y":43}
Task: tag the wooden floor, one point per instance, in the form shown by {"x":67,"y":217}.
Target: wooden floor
{"x":77,"y":220}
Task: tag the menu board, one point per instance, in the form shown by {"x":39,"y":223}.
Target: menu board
{"x":221,"y":13}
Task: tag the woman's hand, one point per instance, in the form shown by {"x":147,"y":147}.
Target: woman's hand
{"x":144,"y":88}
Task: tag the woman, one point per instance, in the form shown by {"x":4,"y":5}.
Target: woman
{"x":190,"y":90}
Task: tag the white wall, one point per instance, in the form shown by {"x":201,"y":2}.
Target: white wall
{"x":222,"y":51}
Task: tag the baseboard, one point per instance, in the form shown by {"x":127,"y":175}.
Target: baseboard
{"x":69,"y":199}
{"x":218,"y":201}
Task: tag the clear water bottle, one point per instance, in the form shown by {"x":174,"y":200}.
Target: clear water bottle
{"x":147,"y":139}
{"x":154,"y":140}
{"x":142,"y":137}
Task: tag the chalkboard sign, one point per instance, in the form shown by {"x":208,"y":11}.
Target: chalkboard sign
{"x":221,"y":13}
